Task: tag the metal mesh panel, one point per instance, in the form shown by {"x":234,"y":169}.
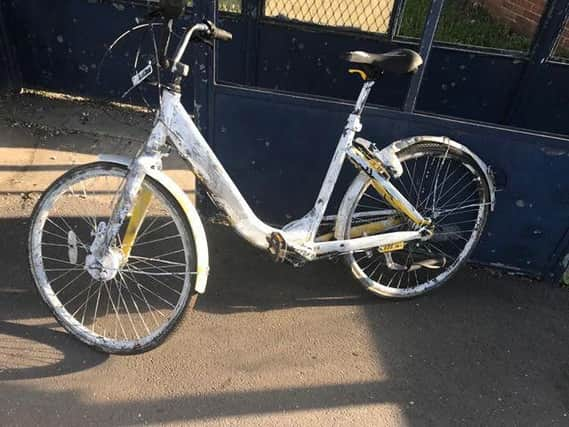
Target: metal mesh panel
{"x":364,"y":15}
{"x":231,"y":6}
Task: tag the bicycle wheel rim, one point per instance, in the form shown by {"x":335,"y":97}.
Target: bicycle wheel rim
{"x":393,"y":285}
{"x":42,"y":277}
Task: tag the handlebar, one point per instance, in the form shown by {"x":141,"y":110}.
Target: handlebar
{"x":167,"y":12}
{"x":220,"y":34}
{"x":205,"y":31}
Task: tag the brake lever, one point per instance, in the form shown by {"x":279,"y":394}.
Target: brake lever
{"x":210,"y":25}
{"x":204,"y":40}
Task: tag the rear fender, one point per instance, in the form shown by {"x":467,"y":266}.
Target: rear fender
{"x":389,"y":154}
{"x":391,"y":151}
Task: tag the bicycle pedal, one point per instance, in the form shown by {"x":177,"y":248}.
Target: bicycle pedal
{"x":277,"y":247}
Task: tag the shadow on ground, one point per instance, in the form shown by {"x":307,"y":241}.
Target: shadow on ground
{"x":483,"y":350}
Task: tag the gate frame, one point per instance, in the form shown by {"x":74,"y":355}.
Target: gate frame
{"x":11,"y":77}
{"x":544,"y":42}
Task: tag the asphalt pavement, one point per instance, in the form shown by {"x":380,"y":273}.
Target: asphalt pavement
{"x":268,"y":344}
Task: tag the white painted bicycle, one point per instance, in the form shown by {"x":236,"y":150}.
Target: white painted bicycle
{"x":117,"y":249}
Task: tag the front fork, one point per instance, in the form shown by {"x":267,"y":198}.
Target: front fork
{"x":133,"y":199}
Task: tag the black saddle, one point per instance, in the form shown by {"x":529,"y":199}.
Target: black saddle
{"x":399,"y":61}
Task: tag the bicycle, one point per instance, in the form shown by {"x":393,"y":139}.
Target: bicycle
{"x":117,"y":249}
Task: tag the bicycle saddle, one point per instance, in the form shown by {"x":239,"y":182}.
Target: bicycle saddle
{"x":399,"y":61}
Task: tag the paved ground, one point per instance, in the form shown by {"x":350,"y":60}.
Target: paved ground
{"x":268,"y":344}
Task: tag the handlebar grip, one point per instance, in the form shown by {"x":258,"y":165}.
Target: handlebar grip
{"x":222,"y":35}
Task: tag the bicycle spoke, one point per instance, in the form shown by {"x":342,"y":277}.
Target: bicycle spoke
{"x":134,"y":303}
{"x":49,"y":233}
{"x":65,"y":273}
{"x":443,"y":188}
{"x":76,"y":296}
{"x":121,"y":299}
{"x":115,"y":310}
{"x":164,"y":261}
{"x":158,"y":268}
{"x":97,"y":307}
{"x":154,"y":293}
{"x":156,"y":240}
{"x":83,"y":245}
{"x":140,"y":236}
{"x":59,"y":260}
{"x":134,"y":271}
{"x":71,"y":282}
{"x":143,"y":298}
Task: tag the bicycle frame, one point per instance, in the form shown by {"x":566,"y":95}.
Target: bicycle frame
{"x":175,"y":125}
{"x":109,"y":244}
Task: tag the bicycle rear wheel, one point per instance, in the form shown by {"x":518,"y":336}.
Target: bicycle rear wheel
{"x":443,"y":184}
{"x":135,"y":309}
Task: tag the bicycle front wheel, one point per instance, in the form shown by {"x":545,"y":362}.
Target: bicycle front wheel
{"x":134,"y":309}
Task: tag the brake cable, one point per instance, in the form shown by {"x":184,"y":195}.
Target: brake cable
{"x":150,"y":27}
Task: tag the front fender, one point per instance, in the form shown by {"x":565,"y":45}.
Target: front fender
{"x":202,"y":256}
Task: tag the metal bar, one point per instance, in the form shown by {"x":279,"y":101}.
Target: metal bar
{"x":550,"y":27}
{"x":395,"y":20}
{"x":431,"y":24}
{"x":11,"y":75}
{"x":364,"y":230}
{"x":362,"y":243}
{"x":253,"y":11}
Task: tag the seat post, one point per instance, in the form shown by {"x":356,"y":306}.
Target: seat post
{"x":362,"y":98}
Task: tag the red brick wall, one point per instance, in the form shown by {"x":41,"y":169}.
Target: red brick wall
{"x":522,"y":16}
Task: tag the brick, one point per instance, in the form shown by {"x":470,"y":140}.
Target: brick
{"x":512,"y":15}
{"x":531,"y":16}
{"x":538,"y":8}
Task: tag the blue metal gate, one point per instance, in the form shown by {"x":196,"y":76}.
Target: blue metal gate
{"x":267,"y":107}
{"x":9,"y":71}
{"x":281,"y":93}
